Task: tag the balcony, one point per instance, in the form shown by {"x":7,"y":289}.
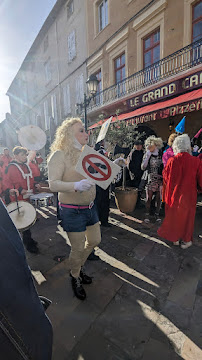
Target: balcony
{"x":173,"y":64}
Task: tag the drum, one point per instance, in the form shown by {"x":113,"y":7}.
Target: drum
{"x":23,"y":214}
{"x":42,"y":199}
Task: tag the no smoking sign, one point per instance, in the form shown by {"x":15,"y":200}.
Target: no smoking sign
{"x":96,"y":167}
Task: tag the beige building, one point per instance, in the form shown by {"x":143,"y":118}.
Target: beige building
{"x":52,"y":77}
{"x":147,"y":56}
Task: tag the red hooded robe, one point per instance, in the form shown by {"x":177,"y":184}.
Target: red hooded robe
{"x":182,"y":176}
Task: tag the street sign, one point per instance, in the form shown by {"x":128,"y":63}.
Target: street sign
{"x":104,"y":130}
{"x":96,"y":167}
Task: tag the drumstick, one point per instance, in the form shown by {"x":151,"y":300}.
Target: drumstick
{"x":16,"y":198}
{"x":15,"y":209}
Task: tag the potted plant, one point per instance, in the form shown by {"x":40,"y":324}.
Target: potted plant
{"x":124,"y":134}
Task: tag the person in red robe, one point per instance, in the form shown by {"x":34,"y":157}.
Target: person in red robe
{"x":182,"y":176}
{"x":6,"y":158}
{"x":19,"y":176}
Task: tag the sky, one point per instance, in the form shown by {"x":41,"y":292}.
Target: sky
{"x":20,"y":22}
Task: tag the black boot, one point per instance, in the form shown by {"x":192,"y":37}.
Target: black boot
{"x":85,"y":278}
{"x":32,"y":248}
{"x":78,"y":288}
{"x":29,"y":243}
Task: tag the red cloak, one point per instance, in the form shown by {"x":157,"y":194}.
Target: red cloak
{"x":182,"y":176}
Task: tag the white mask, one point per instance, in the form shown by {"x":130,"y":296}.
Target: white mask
{"x":77,"y":144}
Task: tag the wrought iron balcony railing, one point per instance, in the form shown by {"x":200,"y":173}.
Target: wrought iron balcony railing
{"x":175,"y":63}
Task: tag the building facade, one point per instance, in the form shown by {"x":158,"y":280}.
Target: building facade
{"x":147,"y":56}
{"x":52,"y":77}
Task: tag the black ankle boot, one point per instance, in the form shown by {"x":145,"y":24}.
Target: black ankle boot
{"x":78,"y":288}
{"x":85,"y":278}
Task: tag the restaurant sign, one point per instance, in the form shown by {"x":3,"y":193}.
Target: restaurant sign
{"x":177,"y":87}
{"x":168,"y":112}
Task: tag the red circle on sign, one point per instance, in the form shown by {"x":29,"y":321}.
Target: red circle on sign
{"x":86,"y":160}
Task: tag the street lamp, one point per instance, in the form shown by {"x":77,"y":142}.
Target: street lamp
{"x":92,"y":84}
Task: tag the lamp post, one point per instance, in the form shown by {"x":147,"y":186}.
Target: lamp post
{"x":92,"y":84}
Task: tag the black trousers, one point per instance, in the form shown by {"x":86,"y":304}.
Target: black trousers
{"x":102,"y":202}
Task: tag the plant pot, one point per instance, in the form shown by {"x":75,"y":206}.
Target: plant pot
{"x":126,"y":199}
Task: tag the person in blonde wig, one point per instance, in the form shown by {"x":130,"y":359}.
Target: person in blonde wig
{"x":169,"y":152}
{"x":76,"y":199}
{"x":152,"y":166}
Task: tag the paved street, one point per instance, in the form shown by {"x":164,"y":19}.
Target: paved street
{"x":145,"y":301}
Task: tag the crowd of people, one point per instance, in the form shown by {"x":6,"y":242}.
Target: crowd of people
{"x":169,"y":174}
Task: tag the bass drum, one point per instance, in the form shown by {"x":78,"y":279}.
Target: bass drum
{"x":23,"y":215}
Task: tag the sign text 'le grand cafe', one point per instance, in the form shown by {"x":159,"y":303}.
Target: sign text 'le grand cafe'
{"x":175,"y":88}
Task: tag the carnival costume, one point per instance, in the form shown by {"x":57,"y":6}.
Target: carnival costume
{"x":152,"y":177}
{"x":77,"y":210}
{"x":19,"y":176}
{"x":182,"y":176}
{"x":152,"y":163}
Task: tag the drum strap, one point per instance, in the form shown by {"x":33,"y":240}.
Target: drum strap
{"x":25,"y":176}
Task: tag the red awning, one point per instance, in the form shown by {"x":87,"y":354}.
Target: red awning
{"x":189,"y":96}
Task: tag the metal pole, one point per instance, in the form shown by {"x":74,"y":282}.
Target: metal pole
{"x":85,"y":113}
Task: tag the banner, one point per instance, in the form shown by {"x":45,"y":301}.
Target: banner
{"x":103,"y":130}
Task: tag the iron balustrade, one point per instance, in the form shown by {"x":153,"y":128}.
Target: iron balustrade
{"x":175,"y":63}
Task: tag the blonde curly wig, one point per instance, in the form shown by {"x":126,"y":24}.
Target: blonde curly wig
{"x":153,"y":140}
{"x":64,"y":137}
{"x":171,"y":138}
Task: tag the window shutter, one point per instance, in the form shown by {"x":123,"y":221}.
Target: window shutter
{"x":71,"y":46}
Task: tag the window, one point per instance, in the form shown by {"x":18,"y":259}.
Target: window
{"x":54,"y":108}
{"x":197,"y":21}
{"x":46,"y":118}
{"x":119,"y":66}
{"x":47,"y":67}
{"x":45,"y":44}
{"x":103,"y":14}
{"x":71,"y":46}
{"x":79,"y":89}
{"x":70,"y":8}
{"x":152,"y":48}
{"x":66,"y":100}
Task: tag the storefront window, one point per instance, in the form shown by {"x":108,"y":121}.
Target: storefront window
{"x":197,"y":21}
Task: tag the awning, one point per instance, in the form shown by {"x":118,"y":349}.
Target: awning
{"x":156,"y":108}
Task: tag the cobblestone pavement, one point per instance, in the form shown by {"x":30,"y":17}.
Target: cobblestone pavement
{"x":145,"y":301}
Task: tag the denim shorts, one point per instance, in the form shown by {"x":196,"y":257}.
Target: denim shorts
{"x":76,"y":220}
